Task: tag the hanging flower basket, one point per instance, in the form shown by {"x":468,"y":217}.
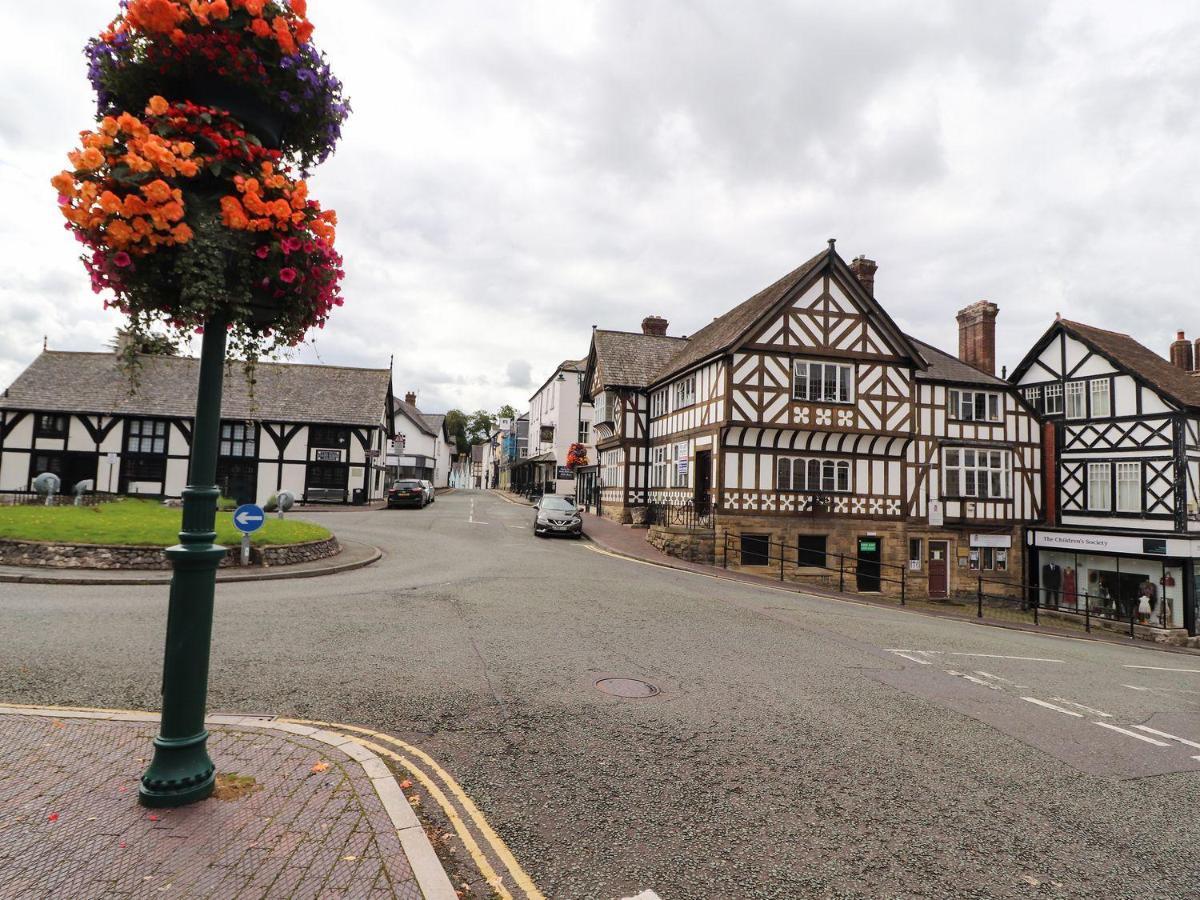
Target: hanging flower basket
{"x":185,"y":215}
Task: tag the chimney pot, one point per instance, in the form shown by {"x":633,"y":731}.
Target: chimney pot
{"x":655,"y":325}
{"x":1182,"y":353}
{"x":864,"y":270}
{"x":977,"y":335}
{"x":410,"y":398}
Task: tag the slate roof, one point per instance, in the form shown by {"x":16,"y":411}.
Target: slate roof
{"x":61,"y":381}
{"x":724,"y":331}
{"x":414,"y":415}
{"x":567,"y":365}
{"x":944,"y":367}
{"x":437,"y":423}
{"x":632,"y":359}
{"x":1122,"y":349}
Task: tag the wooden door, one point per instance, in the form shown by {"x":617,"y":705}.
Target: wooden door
{"x":703,"y":480}
{"x":938,"y":550}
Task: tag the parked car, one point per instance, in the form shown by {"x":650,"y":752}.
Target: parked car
{"x":430,"y":493}
{"x":407,"y":492}
{"x":557,"y":515}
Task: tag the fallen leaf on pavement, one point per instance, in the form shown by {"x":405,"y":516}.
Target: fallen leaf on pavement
{"x":152,"y":817}
{"x":57,"y":724}
{"x":319,"y":768}
{"x":406,"y":784}
{"x":122,"y":845}
{"x":350,"y":858}
{"x":53,"y":817}
{"x":415,"y":800}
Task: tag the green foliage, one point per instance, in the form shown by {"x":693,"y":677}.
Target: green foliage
{"x":136,"y":522}
{"x":480,"y":426}
{"x":456,"y":425}
{"x":506,"y":412}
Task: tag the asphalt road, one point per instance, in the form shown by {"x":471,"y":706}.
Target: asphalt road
{"x":799,"y":747}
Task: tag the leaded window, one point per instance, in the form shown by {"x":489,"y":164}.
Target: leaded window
{"x":1099,"y":487}
{"x":1076,"y":401}
{"x":813,"y":476}
{"x":1101,"y":400}
{"x":822,"y":382}
{"x":1054,"y":399}
{"x":974,"y":406}
{"x":1129,"y":487}
{"x":978,"y":473}
{"x":146,"y":436}
{"x":237,"y":439}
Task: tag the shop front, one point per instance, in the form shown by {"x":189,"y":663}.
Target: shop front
{"x":1126,"y":577}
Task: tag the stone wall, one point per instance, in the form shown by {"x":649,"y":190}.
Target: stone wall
{"x":692,"y":544}
{"x":91,"y":556}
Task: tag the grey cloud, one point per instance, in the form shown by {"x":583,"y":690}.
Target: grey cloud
{"x":518,"y":373}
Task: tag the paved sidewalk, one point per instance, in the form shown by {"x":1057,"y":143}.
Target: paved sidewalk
{"x":354,"y":555}
{"x":322,"y":816}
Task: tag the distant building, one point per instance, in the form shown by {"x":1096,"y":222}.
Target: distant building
{"x":318,"y":431}
{"x":422,"y":447}
{"x":558,"y":418}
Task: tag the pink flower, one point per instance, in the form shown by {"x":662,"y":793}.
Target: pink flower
{"x":121,"y":259}
{"x":262,"y":251}
{"x":291,"y":244}
{"x":287,"y":275}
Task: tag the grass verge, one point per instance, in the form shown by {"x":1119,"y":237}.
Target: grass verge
{"x":136,"y":523}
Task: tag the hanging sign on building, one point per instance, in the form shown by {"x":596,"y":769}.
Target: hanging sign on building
{"x":565,"y":474}
{"x":328,"y":455}
{"x":547,"y":434}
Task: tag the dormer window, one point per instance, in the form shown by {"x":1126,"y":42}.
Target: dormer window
{"x":822,"y":382}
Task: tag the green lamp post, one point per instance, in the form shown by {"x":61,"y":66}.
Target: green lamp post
{"x":185,"y":200}
{"x":181,"y":771}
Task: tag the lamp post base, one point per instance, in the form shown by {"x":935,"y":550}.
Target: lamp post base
{"x":180,"y":773}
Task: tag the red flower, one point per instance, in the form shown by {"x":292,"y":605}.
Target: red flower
{"x":262,"y":251}
{"x":121,"y":259}
{"x":287,"y":275}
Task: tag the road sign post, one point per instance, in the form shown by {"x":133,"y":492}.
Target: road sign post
{"x":247,"y":519}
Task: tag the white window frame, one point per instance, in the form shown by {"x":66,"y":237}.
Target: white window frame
{"x":147,"y":432}
{"x":977,"y":473}
{"x":965,"y":405}
{"x":585,"y":431}
{"x":1100,"y":393}
{"x":812,"y":389}
{"x":1099,"y":487}
{"x":832,"y":476}
{"x":658,"y":466}
{"x":240,"y":437}
{"x":680,"y":452}
{"x":685,"y":392}
{"x":1075,"y":406}
{"x":1129,"y":478}
{"x":1033,"y":395}
{"x":658,"y":403}
{"x":1054,"y":399}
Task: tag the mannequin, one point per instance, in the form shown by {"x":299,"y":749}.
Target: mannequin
{"x":1070,"y":598}
{"x":1051,"y":581}
{"x":1144,"y":608}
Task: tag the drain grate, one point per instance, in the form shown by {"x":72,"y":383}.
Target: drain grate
{"x":627,"y":687}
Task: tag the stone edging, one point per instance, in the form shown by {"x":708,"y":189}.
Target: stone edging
{"x":55,"y":555}
{"x":422,"y":859}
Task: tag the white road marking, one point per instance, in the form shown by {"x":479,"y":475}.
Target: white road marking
{"x":999,"y":678}
{"x":1162,"y":669}
{"x":982,"y":655}
{"x":1134,"y":687}
{"x":1086,"y":709}
{"x":645,"y":895}
{"x":972,"y":678}
{"x":1065,"y":712}
{"x":1173,"y":737}
{"x":1132,"y":734}
{"x":923,"y":662}
{"x":1196,"y":758}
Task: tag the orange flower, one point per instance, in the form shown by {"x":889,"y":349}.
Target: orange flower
{"x":283,"y":35}
{"x":254,"y":7}
{"x":172,"y":211}
{"x":218,"y":9}
{"x":110,"y":203}
{"x":157,"y":191}
{"x":157,"y":105}
{"x":188,"y":169}
{"x":155,"y":16}
{"x":119,"y":233}
{"x":304,"y":32}
{"x":181,"y":233}
{"x":185,"y":148}
{"x":260,"y":28}
{"x":128,"y":123}
{"x":64,"y":183}
{"x":91,"y":158}
{"x":300,"y":7}
{"x":134,"y":206}
{"x":108,"y":125}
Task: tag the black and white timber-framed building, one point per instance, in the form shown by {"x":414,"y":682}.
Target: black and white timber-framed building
{"x":805,"y":419}
{"x":1123,"y":460}
{"x":318,"y":431}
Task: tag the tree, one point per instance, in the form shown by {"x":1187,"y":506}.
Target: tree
{"x":481,"y":426}
{"x":507,"y":412}
{"x":456,"y":425}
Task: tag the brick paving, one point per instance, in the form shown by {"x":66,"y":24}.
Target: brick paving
{"x":71,"y":826}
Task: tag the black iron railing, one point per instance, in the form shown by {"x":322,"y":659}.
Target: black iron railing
{"x":680,"y":513}
{"x":778,"y":555}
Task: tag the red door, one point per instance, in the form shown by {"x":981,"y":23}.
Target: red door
{"x":937,"y":568}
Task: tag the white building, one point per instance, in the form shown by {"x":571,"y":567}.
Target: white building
{"x":422,"y":447}
{"x":318,"y":431}
{"x":557,"y":419}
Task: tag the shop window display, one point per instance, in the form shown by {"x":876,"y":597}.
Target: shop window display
{"x":1113,"y":587}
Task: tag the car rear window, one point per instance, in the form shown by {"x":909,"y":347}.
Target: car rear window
{"x":407,"y":484}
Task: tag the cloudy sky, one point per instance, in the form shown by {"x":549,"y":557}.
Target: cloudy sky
{"x":517,"y":172}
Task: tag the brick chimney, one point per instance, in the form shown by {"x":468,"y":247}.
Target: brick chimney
{"x":410,"y":398}
{"x":864,"y":270}
{"x":977,"y":335}
{"x":1196,"y":359}
{"x":655,"y":325}
{"x":1181,"y":353}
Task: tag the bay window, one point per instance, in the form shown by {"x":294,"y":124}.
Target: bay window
{"x":822,"y":382}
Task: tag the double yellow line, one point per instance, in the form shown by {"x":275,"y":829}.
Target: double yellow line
{"x":463,"y":828}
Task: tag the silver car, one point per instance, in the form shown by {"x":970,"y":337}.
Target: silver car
{"x":427,"y":487}
{"x":557,"y":515}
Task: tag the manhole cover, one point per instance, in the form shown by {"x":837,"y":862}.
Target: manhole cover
{"x":626,"y":687}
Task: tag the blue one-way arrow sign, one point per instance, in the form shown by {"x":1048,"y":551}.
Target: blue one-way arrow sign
{"x":248,"y":518}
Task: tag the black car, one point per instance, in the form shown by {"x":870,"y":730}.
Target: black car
{"x":406,"y":493}
{"x":557,"y":515}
